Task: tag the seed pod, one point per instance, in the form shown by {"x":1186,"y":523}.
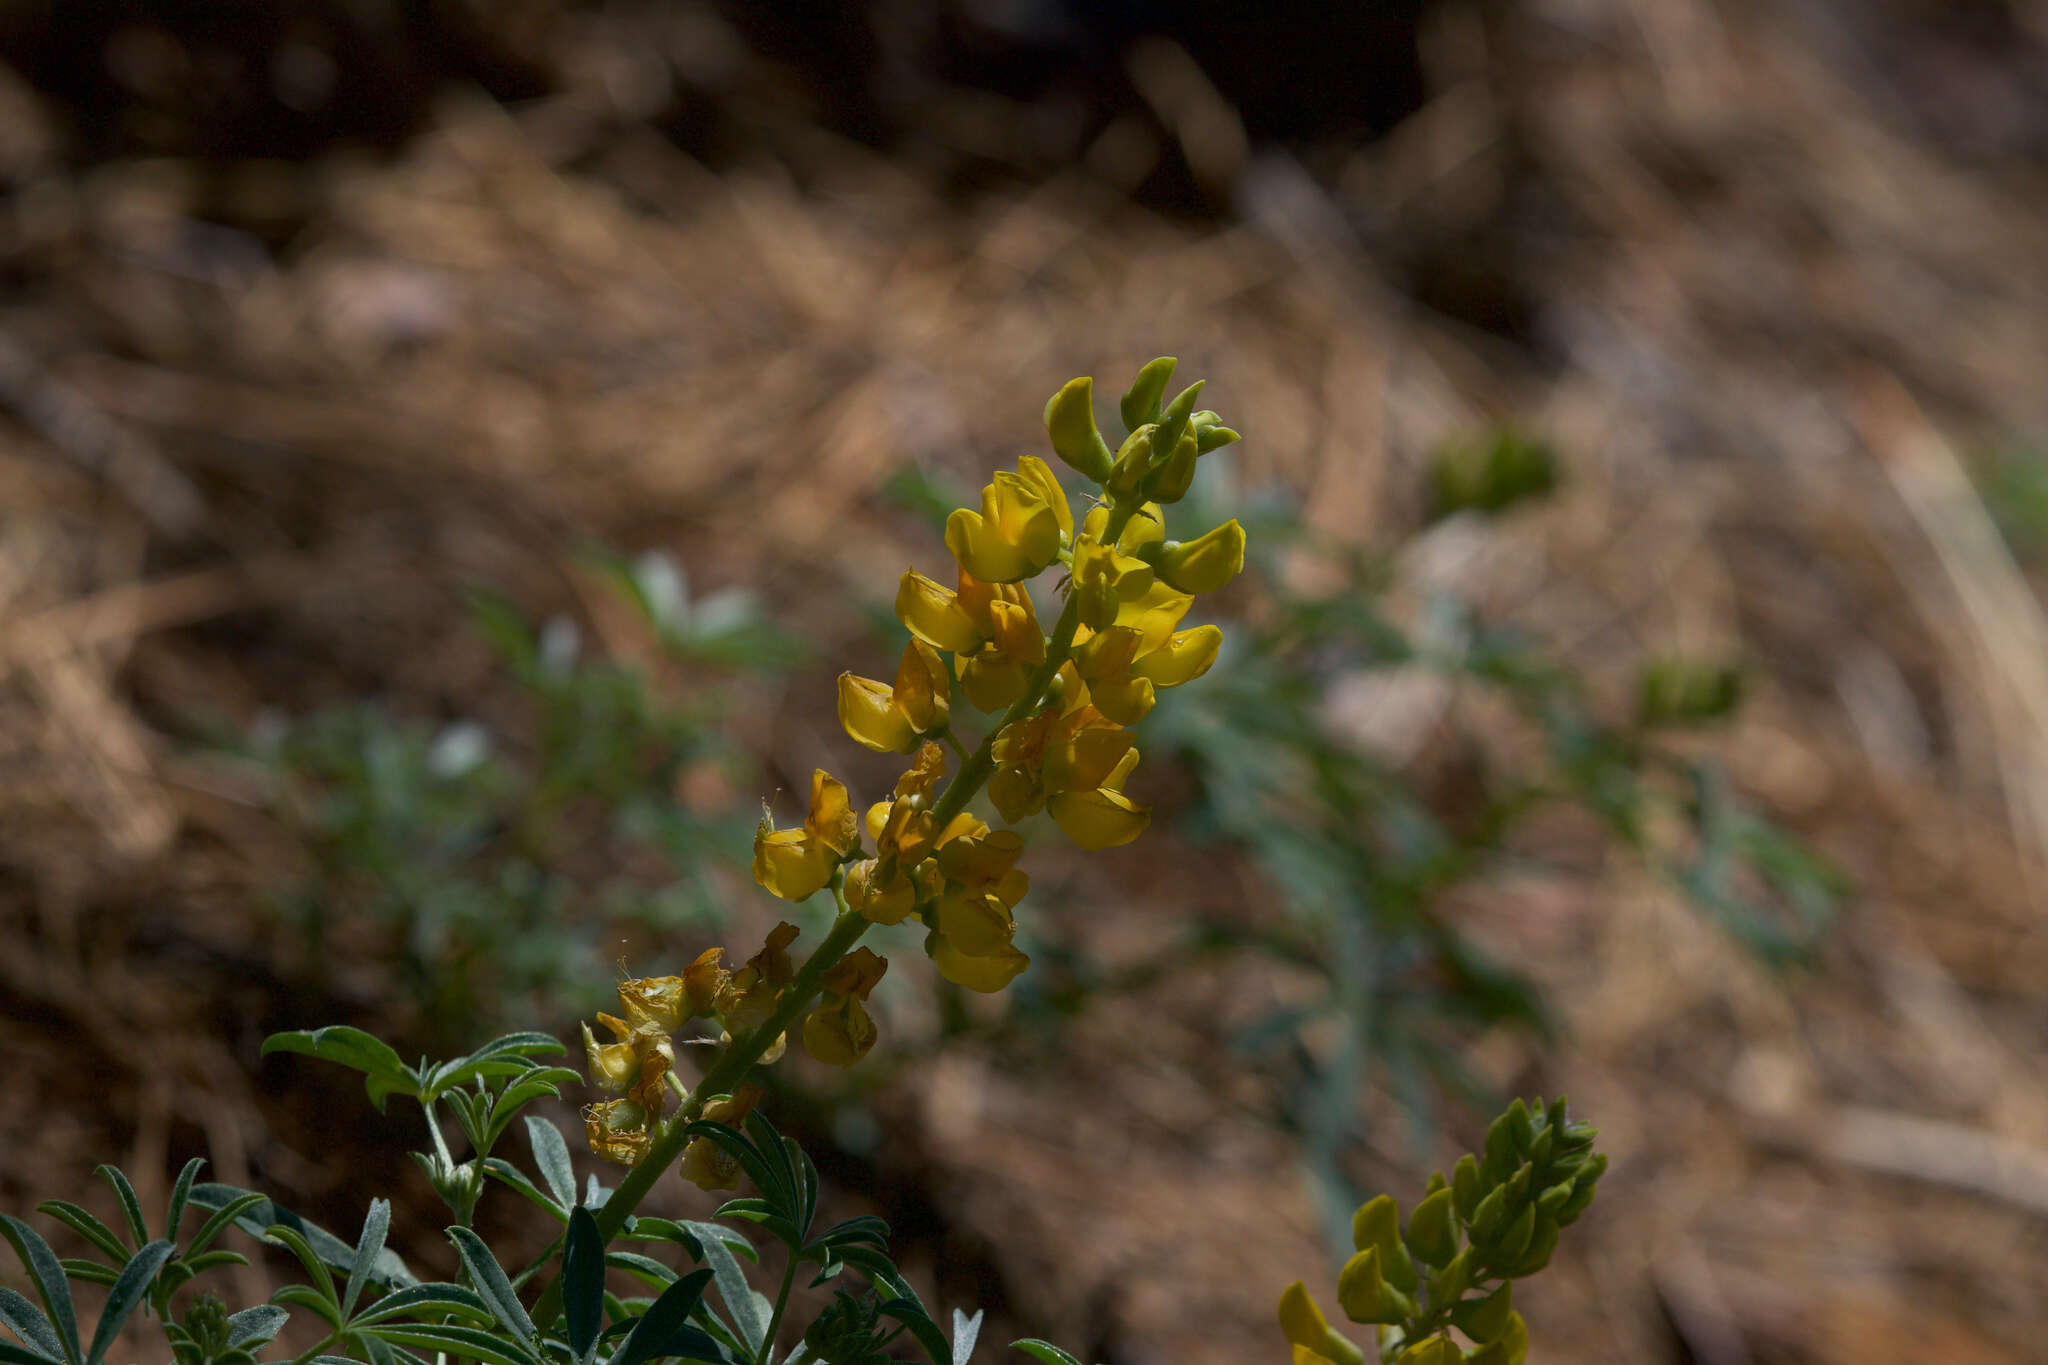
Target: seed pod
{"x":1432,"y":1234}
{"x":1465,"y":1186}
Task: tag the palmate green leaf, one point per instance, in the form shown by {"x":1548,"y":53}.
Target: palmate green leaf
{"x":492,"y":1284}
{"x":908,"y":1311}
{"x":504,"y":1056}
{"x":665,"y":1330}
{"x":85,"y":1225}
{"x":748,"y":1309}
{"x":434,"y":1299}
{"x":583,"y":1281}
{"x":10,"y":1354}
{"x":124,"y":1194}
{"x":174,"y":1213}
{"x":384,"y":1072}
{"x":547,"y":1080}
{"x":770,"y":1174}
{"x":551,"y":1156}
{"x":500,"y":1169}
{"x":376,"y":1224}
{"x":312,"y":1300}
{"x":126,"y":1294}
{"x":253,"y":1326}
{"x":48,"y":1275}
{"x":23,"y":1319}
{"x":323,"y":1280}
{"x":472,"y":1342}
{"x":966,"y":1331}
{"x":646,"y":1269}
{"x":216,"y":1222}
{"x":92,"y":1272}
{"x":259,"y":1216}
{"x":1043,"y":1351}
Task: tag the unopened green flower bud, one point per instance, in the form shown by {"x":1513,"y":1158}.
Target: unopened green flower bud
{"x":1206,"y":563}
{"x":1141,"y":404}
{"x":1499,"y":1161}
{"x":1542,"y":1242}
{"x":1070,"y":421}
{"x":1215,"y":438}
{"x":1133,"y":458}
{"x":1485,"y":1319}
{"x":1517,"y":1187}
{"x":1518,"y":1125}
{"x":1449,"y":1284}
{"x":1553,"y":1199}
{"x":1465,"y":1186}
{"x":1508,"y":1249}
{"x":1432,"y":1351}
{"x":1539,"y":1147}
{"x":1432,"y":1234}
{"x":1511,"y":1347}
{"x":1359,"y":1284}
{"x":1173,"y":422}
{"x":1488,"y":1215}
{"x":1376,"y":1224}
{"x":1170,"y":480}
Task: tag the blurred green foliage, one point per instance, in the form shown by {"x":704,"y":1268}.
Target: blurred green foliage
{"x":498,"y":862}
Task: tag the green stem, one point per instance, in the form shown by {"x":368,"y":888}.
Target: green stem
{"x":725,"y":1075}
{"x":781,"y":1302}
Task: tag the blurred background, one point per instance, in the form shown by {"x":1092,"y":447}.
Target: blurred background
{"x":448,"y":448}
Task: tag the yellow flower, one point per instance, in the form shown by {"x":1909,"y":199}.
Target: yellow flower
{"x":1305,"y":1326}
{"x":1205,"y":563}
{"x":1105,"y":581}
{"x":637,"y":1064}
{"x":618,"y":1130}
{"x":665,"y":1003}
{"x":1072,"y":763}
{"x":1105,"y":662}
{"x":796,"y":863}
{"x":839,"y":1032}
{"x":987,"y":973}
{"x":1017,"y":532}
{"x":750,"y":994}
{"x":891,"y":719}
{"x":704,"y":1163}
{"x":936,"y":615}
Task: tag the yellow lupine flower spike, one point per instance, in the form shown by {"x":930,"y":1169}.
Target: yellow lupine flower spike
{"x":1101,"y":817}
{"x":839,"y":1032}
{"x":1014,"y":536}
{"x":1185,"y":656}
{"x":892,"y":719}
{"x":1105,"y":581}
{"x":796,"y":863}
{"x":1303,"y":1324}
{"x":666,"y":1003}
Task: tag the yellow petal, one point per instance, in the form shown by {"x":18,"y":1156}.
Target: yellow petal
{"x":1185,"y":657}
{"x":868,"y":711}
{"x":617,"y":1131}
{"x":791,"y":864}
{"x":854,"y":975}
{"x":935,"y":615}
{"x":924,"y":771}
{"x":991,"y":682}
{"x":1016,"y":793}
{"x":1155,"y":615}
{"x":1084,"y":760}
{"x":1099,"y":819}
{"x":1205,"y":563}
{"x":985,"y":974}
{"x":1038,"y":474}
{"x":1146,"y":526}
{"x":974,"y":922}
{"x":1126,"y":701}
{"x":831,"y":820}
{"x":840,"y":1033}
{"x":886,"y":904}
{"x":1014,"y":627}
{"x":981,"y":860}
{"x":924,"y":688}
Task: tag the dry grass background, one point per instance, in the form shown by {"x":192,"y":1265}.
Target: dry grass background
{"x":1770,"y":307}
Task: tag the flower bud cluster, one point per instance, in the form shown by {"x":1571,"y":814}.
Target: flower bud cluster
{"x":1496,"y":1218}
